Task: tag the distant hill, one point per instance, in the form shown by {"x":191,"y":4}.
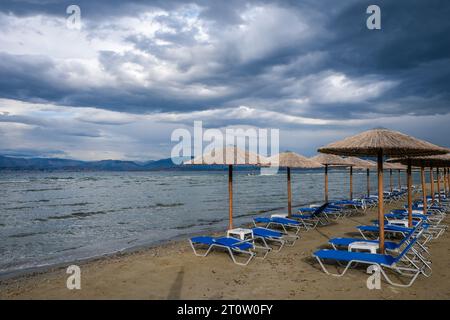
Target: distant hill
{"x":17,"y":164}
{"x":12,"y":163}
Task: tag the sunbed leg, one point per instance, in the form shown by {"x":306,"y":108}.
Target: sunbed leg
{"x":251,"y":254}
{"x":400,"y":284}
{"x":200,"y":254}
{"x":330,"y":273}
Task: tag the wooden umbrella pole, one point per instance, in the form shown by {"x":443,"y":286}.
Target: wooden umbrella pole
{"x":230,"y":195}
{"x":380,"y":200}
{"x":368,"y":182}
{"x":399,"y":180}
{"x":424,"y":190}
{"x":390,"y":180}
{"x":289,"y":191}
{"x":448,"y":182}
{"x":326,"y":183}
{"x":446,"y":179}
{"x":438,"y":184}
{"x":351,"y":182}
{"x":409,"y":182}
{"x":432,"y":183}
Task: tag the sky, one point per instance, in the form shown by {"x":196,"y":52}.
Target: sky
{"x":137,"y":70}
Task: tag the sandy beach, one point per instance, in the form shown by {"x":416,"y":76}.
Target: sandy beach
{"x":172,"y":271}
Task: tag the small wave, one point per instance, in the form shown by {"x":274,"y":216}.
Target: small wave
{"x":20,"y":208}
{"x":39,"y":190}
{"x":26,"y":234}
{"x":200,"y":222}
{"x":87,"y":214}
{"x":78,"y":204}
{"x":169,"y":205}
{"x":91,"y":179}
{"x":78,"y":215}
{"x":68,"y":249}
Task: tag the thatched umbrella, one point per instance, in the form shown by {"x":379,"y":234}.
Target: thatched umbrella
{"x":362,"y":164}
{"x":330,"y":160}
{"x":382,"y":142}
{"x":229,"y":156}
{"x":290,"y":160}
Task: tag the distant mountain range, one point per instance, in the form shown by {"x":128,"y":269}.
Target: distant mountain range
{"x":16,"y":164}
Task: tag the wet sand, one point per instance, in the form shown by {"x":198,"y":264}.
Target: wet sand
{"x":172,"y":271}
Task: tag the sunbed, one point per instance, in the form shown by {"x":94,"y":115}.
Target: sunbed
{"x":283,"y":223}
{"x":232,"y":245}
{"x":269,"y":235}
{"x":402,"y":264}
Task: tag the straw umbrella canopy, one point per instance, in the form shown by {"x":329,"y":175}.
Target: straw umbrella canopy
{"x":330,"y":160}
{"x":363,"y":164}
{"x":290,"y":160}
{"x":230,"y":156}
{"x":381,"y":143}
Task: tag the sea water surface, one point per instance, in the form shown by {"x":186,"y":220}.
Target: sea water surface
{"x":48,"y":218}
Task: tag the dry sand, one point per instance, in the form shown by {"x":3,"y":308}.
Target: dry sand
{"x":173,"y":272}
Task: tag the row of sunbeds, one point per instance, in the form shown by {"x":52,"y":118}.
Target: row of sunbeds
{"x":406,"y":254}
{"x":406,"y":249}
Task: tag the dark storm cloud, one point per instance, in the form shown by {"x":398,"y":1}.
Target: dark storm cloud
{"x":411,"y":51}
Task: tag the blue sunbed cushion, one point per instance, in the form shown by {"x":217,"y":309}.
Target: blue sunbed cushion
{"x":285,"y":221}
{"x":339,"y":255}
{"x":386,"y":228}
{"x":403,"y":216}
{"x":307,"y":209}
{"x":203,"y":240}
{"x":279,"y":220}
{"x":224,"y":241}
{"x":262,"y":220}
{"x":302,"y":216}
{"x":345,"y":242}
{"x":262,"y":232}
{"x":233,"y":243}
